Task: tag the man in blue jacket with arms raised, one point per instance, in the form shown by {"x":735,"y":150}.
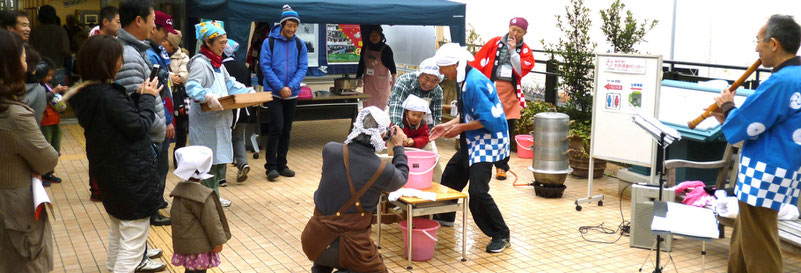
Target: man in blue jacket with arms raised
{"x":284,"y":62}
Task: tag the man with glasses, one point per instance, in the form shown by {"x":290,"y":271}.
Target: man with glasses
{"x":769,"y":124}
{"x":423,"y":83}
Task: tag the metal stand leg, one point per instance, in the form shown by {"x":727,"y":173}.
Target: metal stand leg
{"x":464,"y":229}
{"x":409,"y":229}
{"x":590,"y":198}
{"x":378,"y":220}
{"x":255,"y":144}
{"x":703,"y":256}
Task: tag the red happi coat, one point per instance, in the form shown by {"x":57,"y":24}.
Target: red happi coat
{"x":485,"y":62}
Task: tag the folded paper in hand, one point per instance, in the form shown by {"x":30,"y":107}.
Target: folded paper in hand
{"x":40,"y":198}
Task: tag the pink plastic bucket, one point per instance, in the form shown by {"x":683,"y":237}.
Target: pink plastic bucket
{"x":524,"y":149}
{"x":424,"y":238}
{"x":421,"y":169}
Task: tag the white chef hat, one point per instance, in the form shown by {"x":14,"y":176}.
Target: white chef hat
{"x":429,"y":66}
{"x":382,"y":125}
{"x":415,"y":103}
{"x":193,"y":162}
{"x":453,"y":53}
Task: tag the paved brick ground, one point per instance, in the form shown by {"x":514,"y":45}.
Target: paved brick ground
{"x":267,"y":218}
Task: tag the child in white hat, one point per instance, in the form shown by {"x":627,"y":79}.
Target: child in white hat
{"x":199,"y":226}
{"x":416,"y":116}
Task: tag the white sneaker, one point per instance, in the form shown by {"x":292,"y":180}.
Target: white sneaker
{"x":153,"y":253}
{"x":149,"y":265}
{"x":225,"y":203}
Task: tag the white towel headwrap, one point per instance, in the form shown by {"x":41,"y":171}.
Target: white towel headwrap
{"x":453,"y":53}
{"x":381,"y":118}
{"x":193,"y":162}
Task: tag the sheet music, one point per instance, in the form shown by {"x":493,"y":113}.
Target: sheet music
{"x":655,"y":128}
{"x":682,"y":219}
{"x":40,"y":198}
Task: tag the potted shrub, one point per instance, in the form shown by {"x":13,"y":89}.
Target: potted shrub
{"x":575,"y":63}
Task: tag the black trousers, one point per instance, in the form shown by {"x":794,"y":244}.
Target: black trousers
{"x":503,"y":164}
{"x":485,"y":212}
{"x":282,"y":114}
{"x":181,"y":133}
{"x":328,"y":260}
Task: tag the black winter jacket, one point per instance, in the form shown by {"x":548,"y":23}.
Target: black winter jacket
{"x":121,"y":156}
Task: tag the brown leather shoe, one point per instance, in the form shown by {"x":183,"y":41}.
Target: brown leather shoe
{"x":500,"y":174}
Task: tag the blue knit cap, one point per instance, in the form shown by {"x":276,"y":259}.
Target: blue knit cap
{"x":288,"y":14}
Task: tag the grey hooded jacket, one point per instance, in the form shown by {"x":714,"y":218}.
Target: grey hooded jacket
{"x":135,"y":69}
{"x":35,"y":99}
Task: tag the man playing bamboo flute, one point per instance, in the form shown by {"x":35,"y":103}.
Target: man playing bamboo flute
{"x":769,"y":123}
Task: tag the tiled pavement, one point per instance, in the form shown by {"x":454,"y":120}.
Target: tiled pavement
{"x":267,"y":218}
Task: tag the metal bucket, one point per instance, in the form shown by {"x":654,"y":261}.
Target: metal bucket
{"x":550,"y":164}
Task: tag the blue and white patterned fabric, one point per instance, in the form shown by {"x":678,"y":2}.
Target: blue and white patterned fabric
{"x":763,"y":186}
{"x":491,"y":143}
{"x":769,"y":121}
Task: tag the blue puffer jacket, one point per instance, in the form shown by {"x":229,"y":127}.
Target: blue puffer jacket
{"x":284,"y":65}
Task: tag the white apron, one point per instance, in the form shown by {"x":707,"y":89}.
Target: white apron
{"x":213,"y":129}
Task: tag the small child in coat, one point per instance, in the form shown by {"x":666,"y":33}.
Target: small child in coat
{"x":199,"y":226}
{"x":55,"y":105}
{"x":416,"y":116}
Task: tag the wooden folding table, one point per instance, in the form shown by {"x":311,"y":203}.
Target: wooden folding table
{"x":419,"y":207}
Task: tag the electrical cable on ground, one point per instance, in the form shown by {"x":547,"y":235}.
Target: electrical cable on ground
{"x":624,"y":228}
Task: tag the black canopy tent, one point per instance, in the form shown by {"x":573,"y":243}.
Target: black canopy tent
{"x":238,"y":14}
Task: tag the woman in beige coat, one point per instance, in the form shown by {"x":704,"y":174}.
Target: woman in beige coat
{"x":26,"y":244}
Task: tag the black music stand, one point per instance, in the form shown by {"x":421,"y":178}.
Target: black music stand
{"x":657,"y":130}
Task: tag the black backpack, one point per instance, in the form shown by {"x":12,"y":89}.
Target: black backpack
{"x":297,"y":43}
{"x":271,"y":42}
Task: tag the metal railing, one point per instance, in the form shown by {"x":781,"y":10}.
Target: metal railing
{"x":669,"y":69}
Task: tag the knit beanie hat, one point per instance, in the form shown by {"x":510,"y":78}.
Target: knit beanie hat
{"x":174,"y":39}
{"x":289,"y":14}
{"x":519,"y":22}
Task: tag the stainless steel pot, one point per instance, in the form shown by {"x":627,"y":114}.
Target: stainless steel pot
{"x":346,"y":83}
{"x":550,"y":164}
{"x":551,"y":122}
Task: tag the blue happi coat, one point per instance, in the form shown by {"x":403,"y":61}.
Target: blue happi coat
{"x":480,"y":99}
{"x":769,"y":121}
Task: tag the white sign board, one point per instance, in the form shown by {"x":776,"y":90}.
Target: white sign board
{"x":624,"y":65}
{"x":624,"y":85}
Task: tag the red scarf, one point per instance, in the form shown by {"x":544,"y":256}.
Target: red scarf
{"x":216,"y":60}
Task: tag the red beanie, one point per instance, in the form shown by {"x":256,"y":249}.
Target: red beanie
{"x":520,"y":22}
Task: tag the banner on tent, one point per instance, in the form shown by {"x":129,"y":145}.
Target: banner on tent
{"x":343,"y":43}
